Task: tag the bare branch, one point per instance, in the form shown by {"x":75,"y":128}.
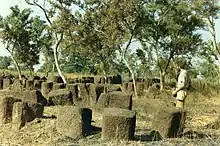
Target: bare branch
{"x":129,"y":43}
{"x":41,"y":7}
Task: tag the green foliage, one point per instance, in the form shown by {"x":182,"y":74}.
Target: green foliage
{"x":5,"y":62}
{"x":21,"y":35}
{"x":98,"y":36}
{"x":169,"y":32}
{"x":72,"y":63}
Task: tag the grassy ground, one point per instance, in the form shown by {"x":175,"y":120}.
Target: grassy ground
{"x":202,"y":125}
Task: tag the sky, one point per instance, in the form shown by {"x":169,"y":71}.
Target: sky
{"x":5,"y":10}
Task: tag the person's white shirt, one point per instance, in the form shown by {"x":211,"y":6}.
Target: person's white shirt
{"x":183,"y":79}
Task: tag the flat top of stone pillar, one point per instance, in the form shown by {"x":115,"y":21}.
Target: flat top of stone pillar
{"x":171,"y":110}
{"x":119,"y":112}
{"x":72,"y":108}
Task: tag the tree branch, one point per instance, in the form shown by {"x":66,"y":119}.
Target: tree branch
{"x":168,"y":61}
{"x":129,"y":42}
{"x":59,"y":41}
{"x":43,"y":9}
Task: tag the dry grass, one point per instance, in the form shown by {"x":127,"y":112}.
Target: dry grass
{"x":202,"y":110}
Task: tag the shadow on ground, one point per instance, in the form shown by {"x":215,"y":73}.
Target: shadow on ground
{"x":152,"y":136}
{"x":156,"y":136}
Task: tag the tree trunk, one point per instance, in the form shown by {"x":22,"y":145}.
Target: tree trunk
{"x":105,"y":76}
{"x":162,"y":80}
{"x":218,"y":66}
{"x":57,"y":65}
{"x":46,"y":66}
{"x":17,"y":66}
{"x":53,"y":68}
{"x":215,"y":46}
{"x":132,"y":75}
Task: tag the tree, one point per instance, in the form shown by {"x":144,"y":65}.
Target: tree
{"x":118,"y":24}
{"x":47,"y":51}
{"x":76,"y":63}
{"x":170,"y":29}
{"x":20,"y":33}
{"x":5,"y":62}
{"x":209,"y":10}
{"x":58,"y":15}
{"x":89,"y":41}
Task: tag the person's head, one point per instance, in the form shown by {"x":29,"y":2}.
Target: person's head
{"x":181,"y":64}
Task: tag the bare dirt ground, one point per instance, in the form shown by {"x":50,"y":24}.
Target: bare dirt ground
{"x":202,"y":125}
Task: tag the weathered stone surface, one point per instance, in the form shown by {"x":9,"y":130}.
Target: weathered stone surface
{"x":1,"y":83}
{"x":36,"y":78}
{"x":37,"y":84}
{"x":87,"y":80}
{"x":44,"y":79}
{"x":17,"y":85}
{"x":155,"y":80}
{"x":24,"y":112}
{"x":76,"y":80}
{"x":124,"y":86}
{"x":103,"y":100}
{"x":19,"y":115}
{"x":140,"y":80}
{"x":130,"y":87}
{"x":46,"y":87}
{"x":109,"y":80}
{"x":84,"y":80}
{"x":6,"y":107}
{"x":95,"y":91}
{"x":117,"y":79}
{"x":116,"y":99}
{"x":90,"y":79}
{"x":112,"y":87}
{"x":6,"y":83}
{"x":140,"y":88}
{"x":83,"y":95}
{"x":153,"y":90}
{"x":55,"y":79}
{"x":120,"y":100}
{"x":60,"y":97}
{"x":118,"y":124}
{"x":74,"y":89}
{"x":57,"y":86}
{"x":100,"y":80}
{"x":96,"y":80}
{"x":36,"y":111}
{"x":34,"y":96}
{"x":11,"y":93}
{"x":29,"y":84}
{"x":169,"y":122}
{"x":75,"y":123}
{"x":147,"y":83}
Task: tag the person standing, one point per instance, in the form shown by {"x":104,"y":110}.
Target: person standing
{"x":183,"y":85}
